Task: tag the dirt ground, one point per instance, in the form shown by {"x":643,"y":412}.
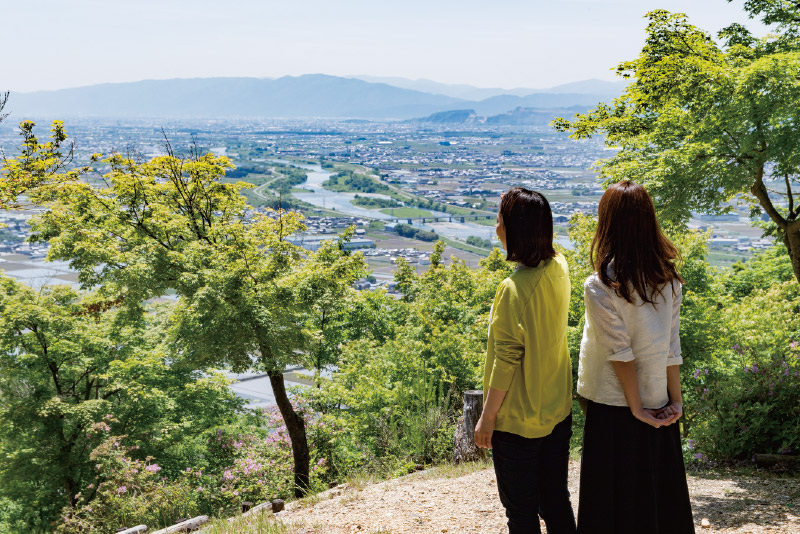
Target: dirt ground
{"x":450,"y":502}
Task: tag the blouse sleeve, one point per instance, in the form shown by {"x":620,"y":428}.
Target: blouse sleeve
{"x":612,"y":335}
{"x":508,"y":346}
{"x":674,"y":357}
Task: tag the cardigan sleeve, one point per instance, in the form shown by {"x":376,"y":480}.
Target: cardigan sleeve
{"x":674,"y":357}
{"x":508,"y":344}
{"x":612,"y":335}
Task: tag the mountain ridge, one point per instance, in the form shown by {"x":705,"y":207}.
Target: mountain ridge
{"x":289,"y":97}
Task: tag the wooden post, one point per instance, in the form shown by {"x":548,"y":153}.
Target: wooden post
{"x":277,"y":505}
{"x":246,"y":505}
{"x":464,"y":449}
{"x":185,"y":526}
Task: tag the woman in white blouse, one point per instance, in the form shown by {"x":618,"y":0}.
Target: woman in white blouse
{"x":632,"y":474}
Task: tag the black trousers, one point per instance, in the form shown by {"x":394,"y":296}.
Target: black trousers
{"x":633,"y":479}
{"x":532,"y":480}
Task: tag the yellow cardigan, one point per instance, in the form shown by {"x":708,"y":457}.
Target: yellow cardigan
{"x":527,"y":353}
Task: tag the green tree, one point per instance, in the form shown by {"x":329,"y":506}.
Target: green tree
{"x":73,"y":373}
{"x":172,"y":225}
{"x":327,"y":290}
{"x":702,"y":124}
{"x":401,"y":378}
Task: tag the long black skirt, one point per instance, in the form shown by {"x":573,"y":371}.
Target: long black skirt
{"x":633,"y":480}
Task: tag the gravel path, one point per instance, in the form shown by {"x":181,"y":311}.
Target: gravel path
{"x":433,"y":502}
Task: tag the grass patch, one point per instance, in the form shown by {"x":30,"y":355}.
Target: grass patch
{"x":485,"y":222}
{"x":257,"y":523}
{"x":726,"y":259}
{"x":460,"y":245}
{"x":406,"y":212}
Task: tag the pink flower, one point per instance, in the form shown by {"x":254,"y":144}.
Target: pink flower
{"x":153,"y":468}
{"x":121,"y":490}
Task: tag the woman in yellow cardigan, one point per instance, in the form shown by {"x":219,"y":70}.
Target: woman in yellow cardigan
{"x":527,"y":382}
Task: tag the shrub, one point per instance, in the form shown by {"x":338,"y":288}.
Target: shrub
{"x":747,"y":395}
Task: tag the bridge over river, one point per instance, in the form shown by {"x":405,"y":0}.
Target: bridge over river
{"x":438,"y":218}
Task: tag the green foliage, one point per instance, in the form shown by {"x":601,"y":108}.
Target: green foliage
{"x":131,"y":493}
{"x":398,"y":393}
{"x":746,"y":391}
{"x":406,"y":230}
{"x":759,"y":273}
{"x":70,"y":375}
{"x":700,"y":124}
{"x":38,"y":164}
{"x":248,"y":297}
{"x":289,"y":177}
{"x":374,"y":203}
{"x":325,"y":287}
{"x":247,"y":461}
{"x":243,"y":172}
{"x":479,"y":242}
{"x":351,"y":181}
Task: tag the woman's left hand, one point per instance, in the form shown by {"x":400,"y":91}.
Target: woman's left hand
{"x":483,"y":432}
{"x":671,"y":412}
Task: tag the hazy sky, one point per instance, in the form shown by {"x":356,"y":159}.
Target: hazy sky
{"x":51,"y":44}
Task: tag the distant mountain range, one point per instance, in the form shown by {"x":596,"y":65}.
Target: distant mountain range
{"x":470,"y":92}
{"x":307,"y":96}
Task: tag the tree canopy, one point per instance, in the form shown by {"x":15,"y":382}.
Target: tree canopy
{"x":702,"y":124}
{"x":143,"y":230}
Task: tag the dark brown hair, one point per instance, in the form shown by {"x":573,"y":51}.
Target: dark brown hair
{"x":628,"y":233}
{"x":529,"y":226}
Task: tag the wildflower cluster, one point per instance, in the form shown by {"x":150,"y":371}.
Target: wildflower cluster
{"x":757,"y":404}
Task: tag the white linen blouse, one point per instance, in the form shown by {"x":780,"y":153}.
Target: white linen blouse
{"x":617,"y":330}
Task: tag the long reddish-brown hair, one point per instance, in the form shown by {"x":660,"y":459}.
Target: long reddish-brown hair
{"x":628,"y":233}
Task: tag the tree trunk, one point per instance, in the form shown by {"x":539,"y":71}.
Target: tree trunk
{"x":297,"y":433}
{"x":792,"y":240}
{"x":464,"y":448}
{"x":790,"y":227}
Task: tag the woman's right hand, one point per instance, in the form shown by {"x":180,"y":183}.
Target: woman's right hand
{"x":483,"y":432}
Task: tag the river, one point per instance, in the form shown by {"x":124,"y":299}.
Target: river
{"x":341,"y":202}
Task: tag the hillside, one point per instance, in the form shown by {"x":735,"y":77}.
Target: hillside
{"x":516,"y":117}
{"x":456,"y":501}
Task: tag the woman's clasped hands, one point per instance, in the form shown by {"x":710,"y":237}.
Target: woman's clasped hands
{"x":661,"y":417}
